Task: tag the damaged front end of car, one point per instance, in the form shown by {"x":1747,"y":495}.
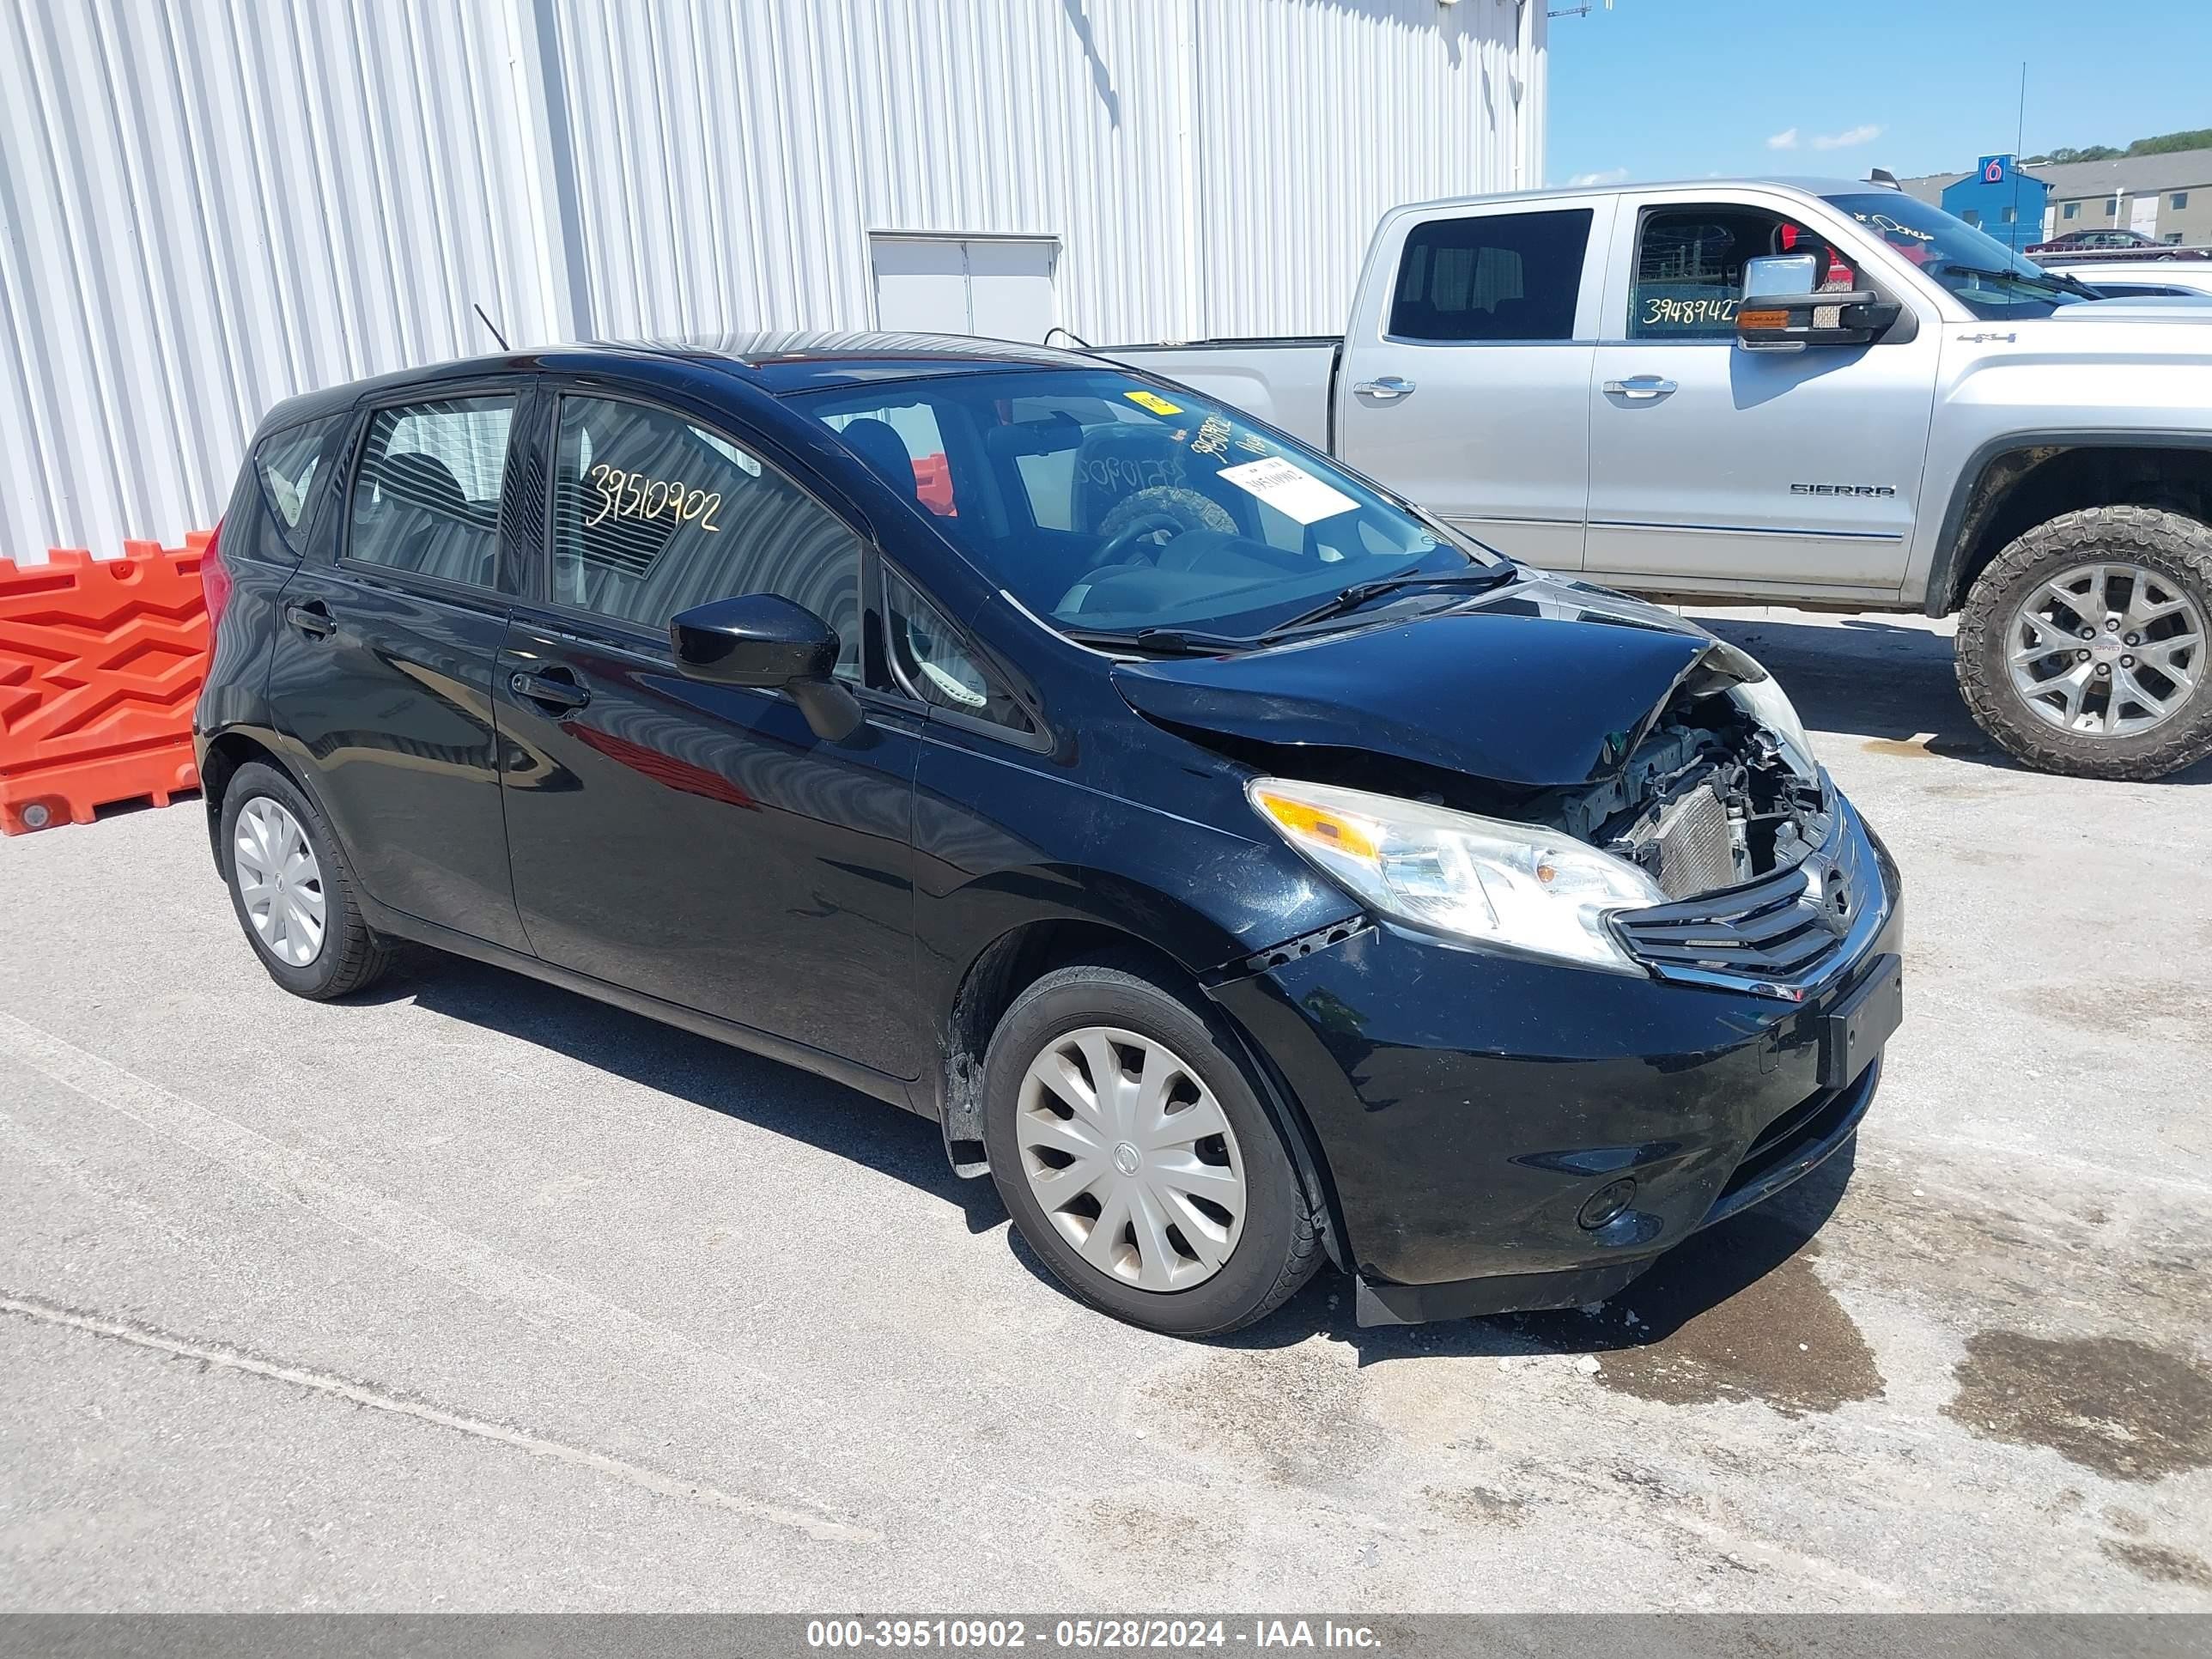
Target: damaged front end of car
{"x":1522,"y":774}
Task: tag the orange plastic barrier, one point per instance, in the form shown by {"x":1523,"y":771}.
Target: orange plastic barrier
{"x":933,"y":484}
{"x":101,"y":660}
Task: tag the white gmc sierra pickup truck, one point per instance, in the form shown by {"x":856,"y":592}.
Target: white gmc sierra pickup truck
{"x":1813,"y":392}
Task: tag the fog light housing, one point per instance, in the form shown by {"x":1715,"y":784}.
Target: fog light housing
{"x":1607,"y":1203}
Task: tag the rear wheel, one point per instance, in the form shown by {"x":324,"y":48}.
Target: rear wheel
{"x":2081,"y":647}
{"x":1135,"y":1158}
{"x":291,"y":889}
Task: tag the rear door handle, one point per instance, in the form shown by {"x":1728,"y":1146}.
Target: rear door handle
{"x":1385,"y":386}
{"x":555,"y":689}
{"x":1641,"y":388}
{"x":312,"y":617}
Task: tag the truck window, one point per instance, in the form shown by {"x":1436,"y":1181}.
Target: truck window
{"x":1689,"y":268}
{"x":1496,"y":277}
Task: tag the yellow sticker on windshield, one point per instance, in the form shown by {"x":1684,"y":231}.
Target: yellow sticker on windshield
{"x":1153,"y":401}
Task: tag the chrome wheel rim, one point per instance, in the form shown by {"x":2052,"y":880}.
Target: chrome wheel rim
{"x":1131,"y":1158}
{"x":279,"y":881}
{"x":2106,"y":650}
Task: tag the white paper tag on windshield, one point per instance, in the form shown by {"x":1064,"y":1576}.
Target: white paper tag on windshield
{"x":1289,"y":489}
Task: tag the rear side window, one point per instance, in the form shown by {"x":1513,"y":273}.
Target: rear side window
{"x":653,"y":515}
{"x":289,"y":466}
{"x":1501,"y":276}
{"x":426,"y":492}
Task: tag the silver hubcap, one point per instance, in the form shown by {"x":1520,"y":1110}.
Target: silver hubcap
{"x":279,"y":881}
{"x":2106,"y":650}
{"x":1131,"y":1156}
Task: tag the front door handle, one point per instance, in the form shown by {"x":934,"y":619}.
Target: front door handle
{"x":555,"y":689}
{"x":312,"y":617}
{"x":1385,"y":386}
{"x":1640,"y":388}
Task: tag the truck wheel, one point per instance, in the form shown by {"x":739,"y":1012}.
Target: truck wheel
{"x":1136,"y":1159}
{"x":2081,"y":647}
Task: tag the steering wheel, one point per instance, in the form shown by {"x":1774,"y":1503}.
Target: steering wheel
{"x":1111,"y":551}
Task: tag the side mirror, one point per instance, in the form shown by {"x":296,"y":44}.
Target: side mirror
{"x":1781,"y":274}
{"x":771,"y":644}
{"x":1792,"y":317}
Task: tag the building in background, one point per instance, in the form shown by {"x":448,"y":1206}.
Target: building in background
{"x":2166,"y":197}
{"x":2001,"y":198}
{"x":211,"y":204}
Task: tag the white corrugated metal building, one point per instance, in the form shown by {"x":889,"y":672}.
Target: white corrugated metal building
{"x":207,"y":205}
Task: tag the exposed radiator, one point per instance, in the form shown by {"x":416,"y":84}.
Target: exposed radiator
{"x":1697,"y":853}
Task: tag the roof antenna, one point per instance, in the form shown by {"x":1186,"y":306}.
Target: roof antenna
{"x":1884,"y":176}
{"x":493,"y":326}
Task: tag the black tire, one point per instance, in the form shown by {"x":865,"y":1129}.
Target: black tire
{"x":351,"y":957}
{"x":1279,"y":1247}
{"x":2179,"y":548}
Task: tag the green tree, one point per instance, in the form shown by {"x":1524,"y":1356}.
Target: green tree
{"x":2167,"y":142}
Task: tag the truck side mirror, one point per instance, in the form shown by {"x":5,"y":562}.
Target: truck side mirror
{"x":1791,"y":320}
{"x":1781,"y":274}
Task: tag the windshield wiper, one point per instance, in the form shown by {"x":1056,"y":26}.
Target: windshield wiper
{"x":1167,"y":641}
{"x":1359,"y":594}
{"x":2039,"y":279}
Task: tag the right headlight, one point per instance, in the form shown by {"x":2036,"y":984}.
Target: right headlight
{"x":1520,"y":886}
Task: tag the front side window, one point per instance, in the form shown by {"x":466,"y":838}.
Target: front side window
{"x":653,"y":515}
{"x":1498,"y":276}
{"x":425,"y":491}
{"x":1994,"y":281}
{"x":1106,"y":504}
{"x":1689,"y":268}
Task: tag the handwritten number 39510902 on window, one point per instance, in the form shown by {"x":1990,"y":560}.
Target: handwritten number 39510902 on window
{"x":632,"y":495}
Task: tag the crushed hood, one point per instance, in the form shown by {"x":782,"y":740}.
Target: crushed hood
{"x":1545,"y":684}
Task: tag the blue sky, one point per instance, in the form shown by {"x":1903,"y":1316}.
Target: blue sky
{"x":1682,"y":89}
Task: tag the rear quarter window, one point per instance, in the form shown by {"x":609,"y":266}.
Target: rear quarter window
{"x":292,"y":469}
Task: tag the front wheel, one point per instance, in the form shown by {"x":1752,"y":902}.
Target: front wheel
{"x":1136,"y":1159}
{"x":2081,"y":647}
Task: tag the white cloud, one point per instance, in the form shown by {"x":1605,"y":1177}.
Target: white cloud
{"x":1847,"y":138}
{"x":1786,"y":139}
{"x":1610,"y":176}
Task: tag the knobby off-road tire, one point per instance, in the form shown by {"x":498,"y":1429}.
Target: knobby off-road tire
{"x":1116,"y":1009}
{"x":2172,"y":546}
{"x":345,"y":956}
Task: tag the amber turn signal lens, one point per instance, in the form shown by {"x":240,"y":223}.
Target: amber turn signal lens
{"x":1762,"y":319}
{"x":1319,"y":827}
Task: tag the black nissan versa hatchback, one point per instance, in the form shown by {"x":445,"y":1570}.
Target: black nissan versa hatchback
{"x":1240,"y":865}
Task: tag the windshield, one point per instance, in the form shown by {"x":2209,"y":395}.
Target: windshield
{"x":1109,"y":506}
{"x":1993,"y":280}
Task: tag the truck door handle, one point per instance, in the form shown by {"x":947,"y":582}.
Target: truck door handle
{"x":555,"y":689}
{"x":1385,"y":386}
{"x":1641,"y":388}
{"x":312,"y":617}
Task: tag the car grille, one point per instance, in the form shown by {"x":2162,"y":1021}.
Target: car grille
{"x":1773,"y":935}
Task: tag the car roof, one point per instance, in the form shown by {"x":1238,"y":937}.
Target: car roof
{"x":779,"y":363}
{"x":1804,"y":185}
